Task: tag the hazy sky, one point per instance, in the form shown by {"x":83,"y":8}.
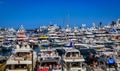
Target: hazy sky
{"x":35,"y":13}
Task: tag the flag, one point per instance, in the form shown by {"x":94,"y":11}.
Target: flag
{"x":70,"y":44}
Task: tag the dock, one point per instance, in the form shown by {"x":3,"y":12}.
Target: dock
{"x":2,"y":66}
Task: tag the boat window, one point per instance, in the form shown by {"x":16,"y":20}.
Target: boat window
{"x":76,"y":64}
{"x":17,"y":66}
{"x":60,"y":51}
{"x":24,"y":55}
{"x":85,"y":52}
{"x":72,"y":54}
{"x":50,"y":65}
{"x":109,"y":50}
{"x":80,"y":47}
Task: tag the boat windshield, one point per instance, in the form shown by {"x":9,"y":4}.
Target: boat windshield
{"x":76,"y":64}
{"x":6,"y":43}
{"x":72,"y":54}
{"x":93,"y":44}
{"x":49,"y":65}
{"x":22,"y":56}
{"x":17,"y":66}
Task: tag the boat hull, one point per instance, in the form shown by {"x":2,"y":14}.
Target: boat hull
{"x":6,"y":48}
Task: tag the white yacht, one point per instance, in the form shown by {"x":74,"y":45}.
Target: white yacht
{"x":58,"y":42}
{"x":1,"y":39}
{"x":48,"y":60}
{"x":33,"y":40}
{"x":67,"y":29}
{"x":10,"y":34}
{"x":53,"y":27}
{"x":53,"y":35}
{"x":21,"y":36}
{"x":73,"y":60}
{"x":22,"y":59}
{"x":44,"y":43}
{"x":6,"y":45}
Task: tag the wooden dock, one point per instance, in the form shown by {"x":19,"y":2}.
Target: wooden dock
{"x":2,"y":66}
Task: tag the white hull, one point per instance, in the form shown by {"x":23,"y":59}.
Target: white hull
{"x":75,"y":69}
{"x":18,"y":70}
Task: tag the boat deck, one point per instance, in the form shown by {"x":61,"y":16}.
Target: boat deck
{"x":98,"y":69}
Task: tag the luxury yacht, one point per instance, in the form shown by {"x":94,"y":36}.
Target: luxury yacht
{"x":33,"y":40}
{"x":6,"y":45}
{"x":48,"y":60}
{"x":73,"y":60}
{"x":10,"y":34}
{"x":21,"y":36}
{"x":43,"y":40}
{"x":1,"y":39}
{"x":22,"y":59}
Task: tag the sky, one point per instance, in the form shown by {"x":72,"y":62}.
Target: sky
{"x":35,"y":13}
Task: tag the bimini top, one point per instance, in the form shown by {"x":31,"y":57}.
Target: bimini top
{"x":22,"y":49}
{"x":70,"y":50}
{"x":49,"y":49}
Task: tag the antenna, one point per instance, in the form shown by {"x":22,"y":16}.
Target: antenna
{"x":68,"y":19}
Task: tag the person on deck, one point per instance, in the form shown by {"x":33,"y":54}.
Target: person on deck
{"x":111,"y":63}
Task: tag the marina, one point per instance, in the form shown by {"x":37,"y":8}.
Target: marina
{"x":52,"y":48}
{"x":59,"y":35}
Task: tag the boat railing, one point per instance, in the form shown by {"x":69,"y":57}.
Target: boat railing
{"x":18,"y":70}
{"x":51,"y":54}
{"x":49,"y":58}
{"x":52,"y":67}
{"x":19,"y":58}
{"x":117,"y":60}
{"x":74,"y":57}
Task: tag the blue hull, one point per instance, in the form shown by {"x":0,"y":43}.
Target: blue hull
{"x":6,"y":48}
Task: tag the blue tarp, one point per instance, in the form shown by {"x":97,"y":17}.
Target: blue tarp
{"x":111,"y":61}
{"x":70,"y":44}
{"x":112,"y":30}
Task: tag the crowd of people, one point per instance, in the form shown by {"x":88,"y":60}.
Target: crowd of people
{"x":96,"y":61}
{"x":48,"y":53}
{"x":49,"y":67}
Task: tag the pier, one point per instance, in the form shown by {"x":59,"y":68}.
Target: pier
{"x":2,"y":66}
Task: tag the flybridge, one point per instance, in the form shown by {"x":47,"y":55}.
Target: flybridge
{"x":23,"y":50}
{"x":71,"y":50}
{"x":19,"y":62}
